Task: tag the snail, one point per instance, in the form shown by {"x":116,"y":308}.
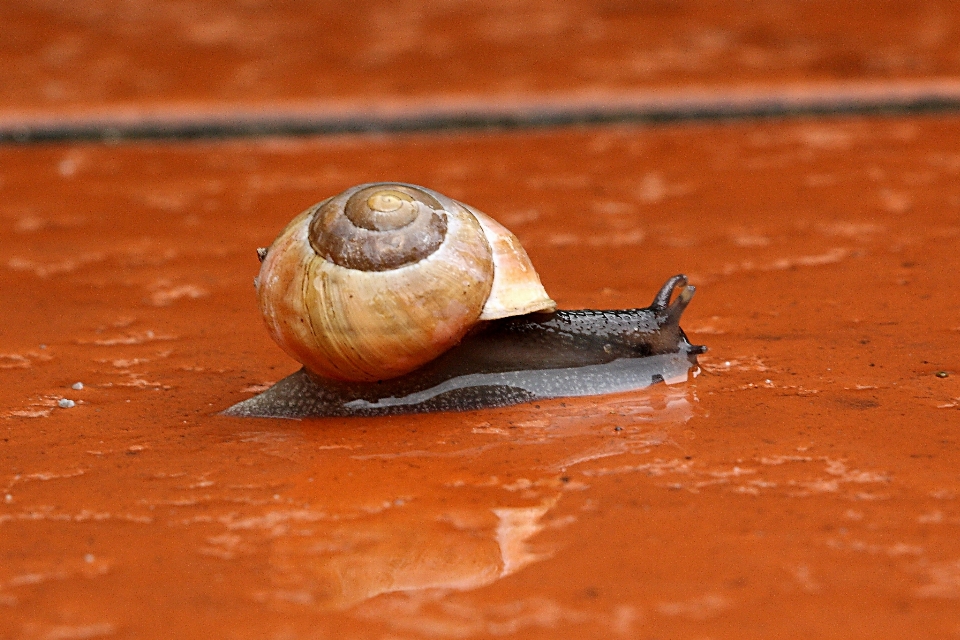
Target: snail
{"x":398,"y":299}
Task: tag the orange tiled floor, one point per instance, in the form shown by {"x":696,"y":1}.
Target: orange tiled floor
{"x":804,"y":485}
{"x":210,"y":61}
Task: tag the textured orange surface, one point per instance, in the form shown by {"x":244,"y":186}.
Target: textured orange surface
{"x":126,"y":60}
{"x":806,"y":484}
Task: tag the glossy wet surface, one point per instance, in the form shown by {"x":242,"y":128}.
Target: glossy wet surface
{"x":93,"y":57}
{"x":805,"y":485}
{"x":192,"y":65}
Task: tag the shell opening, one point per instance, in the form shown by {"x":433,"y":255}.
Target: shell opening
{"x":517,"y":289}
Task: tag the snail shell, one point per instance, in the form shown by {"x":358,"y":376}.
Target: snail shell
{"x":385,"y":277}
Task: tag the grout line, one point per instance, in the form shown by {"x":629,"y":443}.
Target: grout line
{"x":218,"y":121}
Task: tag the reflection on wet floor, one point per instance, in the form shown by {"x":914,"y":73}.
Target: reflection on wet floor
{"x":349,"y":562}
{"x":460,"y":534}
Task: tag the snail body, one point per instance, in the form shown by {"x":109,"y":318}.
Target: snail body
{"x":397,"y":299}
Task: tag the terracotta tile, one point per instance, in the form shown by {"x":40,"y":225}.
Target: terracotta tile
{"x":207,"y":62}
{"x":804,"y":485}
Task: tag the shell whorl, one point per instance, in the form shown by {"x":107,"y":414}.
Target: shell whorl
{"x":378,"y":227}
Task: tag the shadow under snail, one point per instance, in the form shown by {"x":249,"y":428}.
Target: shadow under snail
{"x":398,"y":299}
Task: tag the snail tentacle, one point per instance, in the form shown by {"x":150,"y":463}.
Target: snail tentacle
{"x":662,"y":300}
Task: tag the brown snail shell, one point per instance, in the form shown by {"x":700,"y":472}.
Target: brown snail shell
{"x":385,"y":277}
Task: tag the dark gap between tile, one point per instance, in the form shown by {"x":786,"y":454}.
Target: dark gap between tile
{"x":227,"y":125}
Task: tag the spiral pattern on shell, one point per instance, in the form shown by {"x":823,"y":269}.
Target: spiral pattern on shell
{"x":382,"y":278}
{"x":379,"y":228}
